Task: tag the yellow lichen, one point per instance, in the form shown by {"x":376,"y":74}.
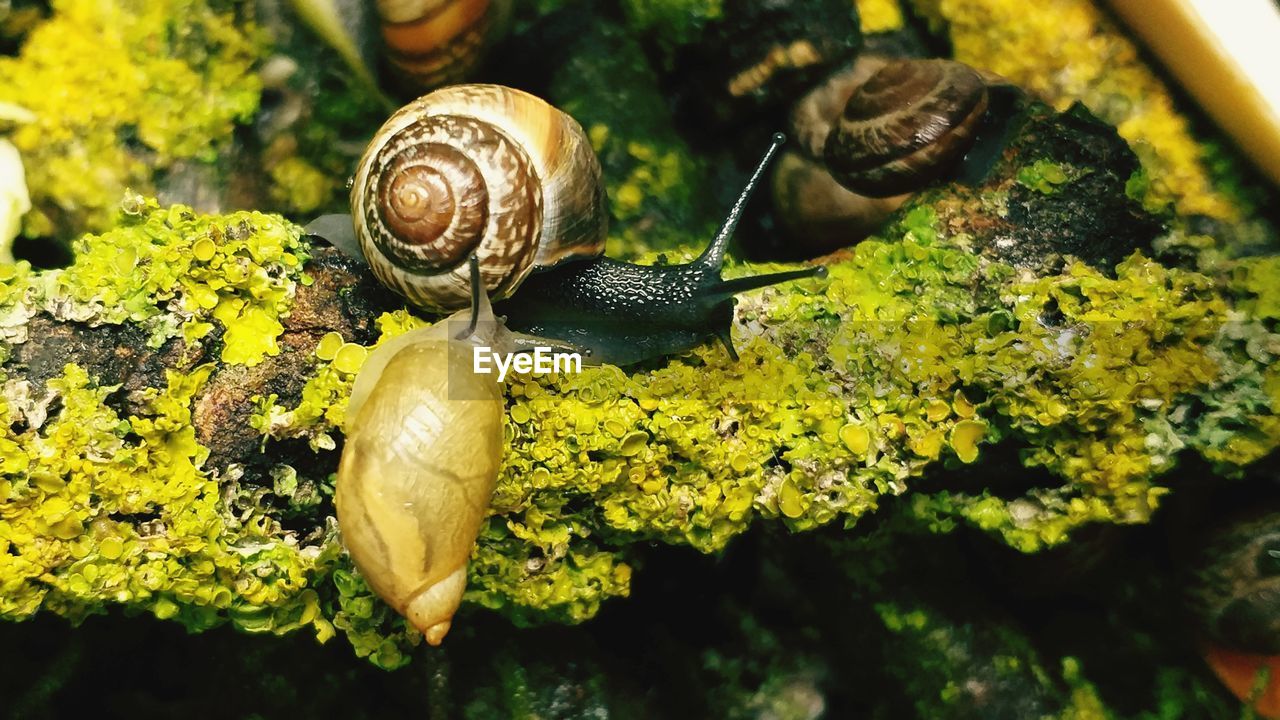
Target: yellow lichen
{"x":71,"y":538}
{"x":139,"y":85}
{"x":879,"y":16}
{"x":965,"y":436}
{"x":300,"y":188}
{"x":912,"y":353}
{"x":174,"y":271}
{"x":322,"y":406}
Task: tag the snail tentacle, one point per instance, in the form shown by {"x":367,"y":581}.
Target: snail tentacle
{"x":494,"y":173}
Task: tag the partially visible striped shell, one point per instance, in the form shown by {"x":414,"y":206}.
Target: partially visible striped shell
{"x":476,"y":169}
{"x":431,"y":43}
{"x":907,"y":125}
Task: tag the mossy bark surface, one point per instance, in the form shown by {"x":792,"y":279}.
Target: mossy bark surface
{"x":175,"y":397}
{"x":872,"y":513}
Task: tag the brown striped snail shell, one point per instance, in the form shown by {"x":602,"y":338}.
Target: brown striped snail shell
{"x":819,"y":214}
{"x":480,"y":169}
{"x":907,"y":125}
{"x":430,"y":43}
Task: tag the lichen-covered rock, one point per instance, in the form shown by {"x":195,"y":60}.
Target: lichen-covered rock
{"x":1058,"y":187}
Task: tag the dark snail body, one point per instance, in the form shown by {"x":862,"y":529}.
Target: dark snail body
{"x":428,"y":162}
{"x":606,"y":312}
{"x":625,"y":314}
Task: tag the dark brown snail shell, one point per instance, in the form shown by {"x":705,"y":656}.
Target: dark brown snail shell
{"x":430,"y":43}
{"x":907,"y":125}
{"x":818,"y":213}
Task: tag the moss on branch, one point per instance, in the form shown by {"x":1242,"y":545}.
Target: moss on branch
{"x":1073,"y":51}
{"x":171,"y":434}
{"x":172,"y":401}
{"x":141,"y":86}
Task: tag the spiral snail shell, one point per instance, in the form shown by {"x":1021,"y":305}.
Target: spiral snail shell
{"x":480,"y":169}
{"x":430,"y":43}
{"x":907,"y":125}
{"x":497,"y":173}
{"x":819,"y":214}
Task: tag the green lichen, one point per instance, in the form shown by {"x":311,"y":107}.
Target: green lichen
{"x":1044,"y":176}
{"x":962,"y":671}
{"x":175,"y":272}
{"x":1257,"y":281}
{"x":1072,"y":51}
{"x":673,"y":22}
{"x":912,"y":356}
{"x":878,"y":16}
{"x":543,"y":568}
{"x":321,"y":410}
{"x":97,"y":508}
{"x":300,"y":188}
{"x":140,"y":85}
{"x":658,"y":190}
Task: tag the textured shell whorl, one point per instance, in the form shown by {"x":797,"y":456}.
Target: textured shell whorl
{"x":476,"y":168}
{"x":906,"y":125}
{"x":430,"y":43}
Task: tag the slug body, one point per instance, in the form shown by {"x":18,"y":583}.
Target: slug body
{"x":625,"y":314}
{"x":423,"y":448}
{"x":498,"y":173}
